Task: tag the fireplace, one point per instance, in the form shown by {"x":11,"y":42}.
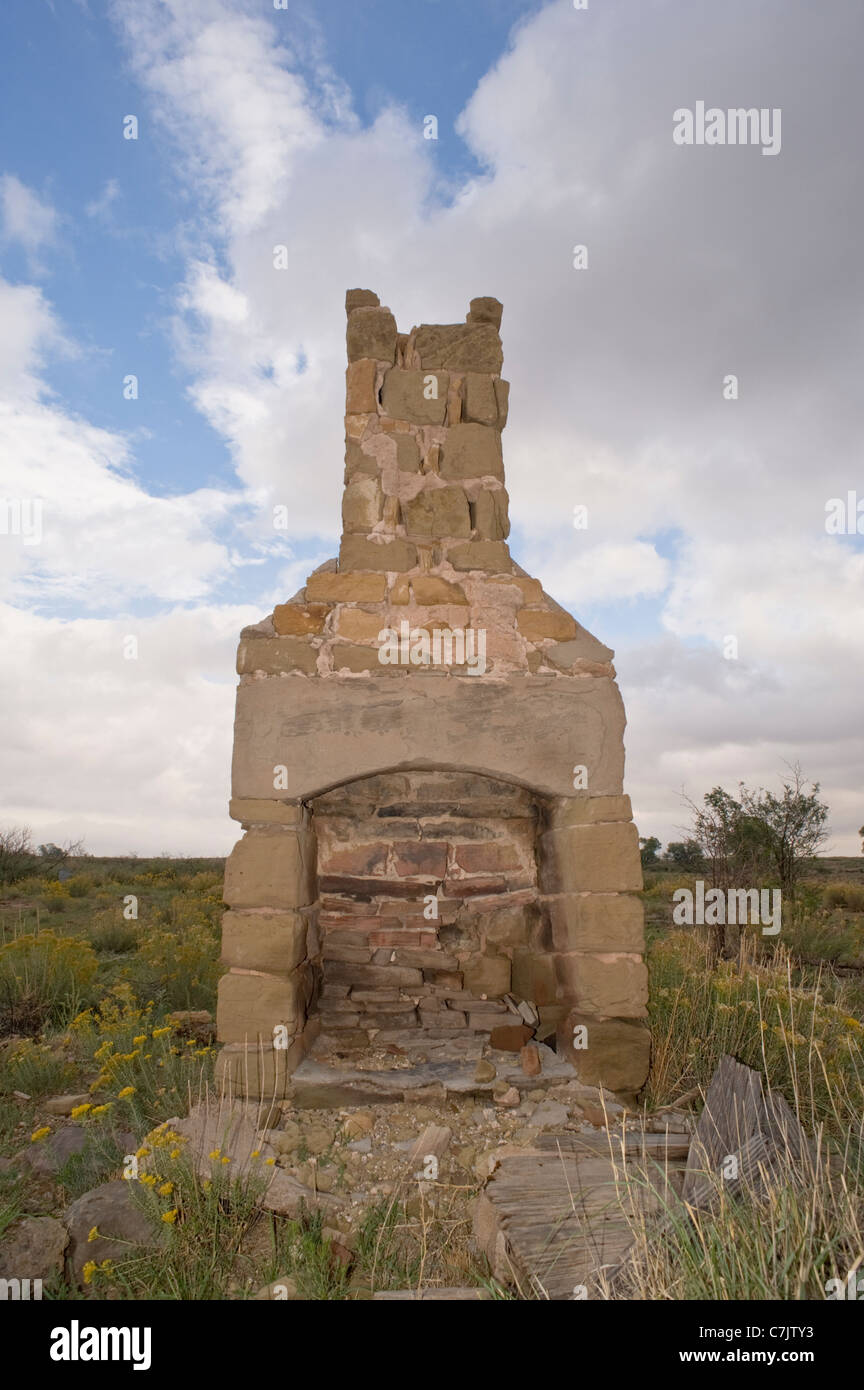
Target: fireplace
{"x":428,"y":758}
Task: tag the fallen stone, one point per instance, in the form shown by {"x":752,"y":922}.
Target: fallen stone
{"x":33,"y":1249}
{"x":125,"y":1230}
{"x":549,"y":1114}
{"x":64,"y":1105}
{"x":510,"y":1037}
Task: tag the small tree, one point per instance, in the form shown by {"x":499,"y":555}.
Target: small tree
{"x":758,"y":836}
{"x":649,"y":847}
{"x":793,"y":825}
{"x":685,"y":854}
{"x":18,"y":859}
{"x":16,"y":854}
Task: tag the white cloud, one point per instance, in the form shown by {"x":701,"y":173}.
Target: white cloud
{"x":27,"y":219}
{"x":701,"y":262}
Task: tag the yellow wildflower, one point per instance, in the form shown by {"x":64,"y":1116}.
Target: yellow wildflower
{"x":89,"y":1270}
{"x":92,"y":1234}
{"x":39,"y":1134}
{"x":78,"y":1110}
{"x":169,"y":1217}
{"x":166,"y":1189}
{"x":127,"y":1091}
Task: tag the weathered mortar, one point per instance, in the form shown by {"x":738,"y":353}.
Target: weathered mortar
{"x":330,"y":738}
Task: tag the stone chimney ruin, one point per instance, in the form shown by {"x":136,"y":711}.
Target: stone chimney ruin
{"x":428,"y":759}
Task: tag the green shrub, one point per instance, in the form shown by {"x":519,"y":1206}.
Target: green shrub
{"x":848,"y":895}
{"x":34,"y":1068}
{"x":43,"y":978}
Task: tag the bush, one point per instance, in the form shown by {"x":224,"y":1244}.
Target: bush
{"x":35,"y":1068}
{"x":43,"y":978}
{"x":186,"y":964}
{"x":848,"y":895}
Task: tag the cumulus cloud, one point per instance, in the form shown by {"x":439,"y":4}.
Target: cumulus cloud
{"x":701,"y":262}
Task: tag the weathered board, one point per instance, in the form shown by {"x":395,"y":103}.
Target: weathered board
{"x":561,"y":1221}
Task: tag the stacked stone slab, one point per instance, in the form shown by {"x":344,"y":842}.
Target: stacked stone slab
{"x":424,"y":550}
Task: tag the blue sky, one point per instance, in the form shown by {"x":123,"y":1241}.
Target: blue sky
{"x":304,"y":127}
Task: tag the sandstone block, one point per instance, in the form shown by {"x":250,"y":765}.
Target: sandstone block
{"x":502,"y":396}
{"x":347,"y":588}
{"x":359,"y":464}
{"x":482,"y":726}
{"x":489,"y":515}
{"x":407,"y":453}
{"x":360,"y":396}
{"x":588,"y":810}
{"x":348,"y":657}
{"x":491,"y":556}
{"x":612,"y":985}
{"x":535,"y":624}
{"x":259,"y":1072}
{"x":583,"y":647}
{"x":487,"y":974}
{"x":430,"y":590}
{"x":374,"y":976}
{"x":597,"y":922}
{"x":271,"y":868}
{"x":485,"y":309}
{"x":357,"y":625}
{"x":420,"y":397}
{"x":441,"y":511}
{"x":530,"y":589}
{"x":461,"y":347}
{"x":472,"y":451}
{"x":360,"y":299}
{"x":274,"y":942}
{"x":371,"y":332}
{"x":273,"y":655}
{"x":617,"y":1052}
{"x":362,"y":505}
{"x":251,"y":1007}
{"x":508,"y":926}
{"x":481,"y":403}
{"x":358,"y":553}
{"x":534,"y":977}
{"x":299,"y":619}
{"x":262,"y":811}
{"x":600,"y":858}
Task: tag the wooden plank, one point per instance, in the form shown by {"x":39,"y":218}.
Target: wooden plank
{"x":733,"y":1113}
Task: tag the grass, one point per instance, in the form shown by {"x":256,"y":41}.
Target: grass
{"x":90,"y":969}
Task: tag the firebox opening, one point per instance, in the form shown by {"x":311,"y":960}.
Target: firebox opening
{"x":429,"y":915}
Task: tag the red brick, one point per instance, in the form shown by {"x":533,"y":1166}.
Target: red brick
{"x":510,"y":1037}
{"x":403,"y":938}
{"x":424,"y":858}
{"x":353,"y":859}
